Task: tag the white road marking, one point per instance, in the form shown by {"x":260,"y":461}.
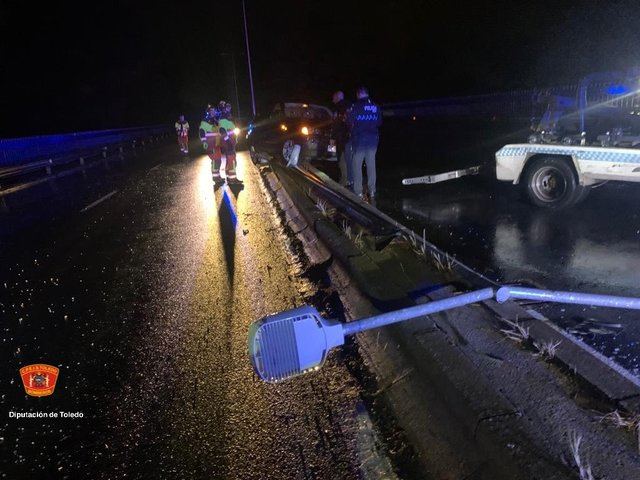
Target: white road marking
{"x":157,"y":166}
{"x":100,"y":200}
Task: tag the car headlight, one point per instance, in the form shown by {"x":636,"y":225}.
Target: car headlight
{"x":283,"y":127}
{"x":304,"y":131}
{"x":236,"y":131}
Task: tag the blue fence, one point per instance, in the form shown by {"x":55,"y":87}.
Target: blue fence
{"x":24,"y":150}
{"x":520,"y":104}
{"x":517,"y":104}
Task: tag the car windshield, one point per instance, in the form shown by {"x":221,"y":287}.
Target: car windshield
{"x":305,"y":111}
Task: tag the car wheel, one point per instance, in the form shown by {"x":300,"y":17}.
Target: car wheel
{"x":551,"y":183}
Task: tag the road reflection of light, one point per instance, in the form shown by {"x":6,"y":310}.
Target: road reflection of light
{"x":608,"y":268}
{"x":448,"y":213}
{"x":242,"y":208}
{"x":241,"y":168}
{"x":617,"y":265}
{"x":509,"y":253}
{"x":205,"y":193}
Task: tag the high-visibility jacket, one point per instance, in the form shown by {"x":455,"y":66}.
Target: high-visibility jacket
{"x":182,"y":128}
{"x":209,"y":134}
{"x":229,"y":142}
{"x":227,"y":124}
{"x":208,"y":129}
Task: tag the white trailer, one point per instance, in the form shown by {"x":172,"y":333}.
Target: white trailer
{"x":556,"y":176}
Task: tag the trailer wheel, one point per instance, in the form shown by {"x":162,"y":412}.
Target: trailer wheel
{"x":551,"y":183}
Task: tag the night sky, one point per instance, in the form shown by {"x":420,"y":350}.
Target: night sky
{"x":69,"y":67}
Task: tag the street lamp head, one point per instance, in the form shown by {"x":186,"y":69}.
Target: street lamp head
{"x":288,"y":344}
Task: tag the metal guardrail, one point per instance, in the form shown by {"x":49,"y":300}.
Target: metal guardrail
{"x":524,"y":103}
{"x":513,"y":104}
{"x":21,"y":156}
{"x":20,"y":151}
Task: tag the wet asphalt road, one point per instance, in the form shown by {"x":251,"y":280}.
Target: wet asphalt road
{"x":593,"y":247}
{"x":143,"y":302}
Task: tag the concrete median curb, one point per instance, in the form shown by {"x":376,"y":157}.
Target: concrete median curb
{"x":601,"y":373}
{"x":473,"y":404}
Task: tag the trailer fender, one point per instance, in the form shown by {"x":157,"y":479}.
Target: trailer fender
{"x":570,"y":159}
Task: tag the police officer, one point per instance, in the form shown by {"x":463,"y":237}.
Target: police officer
{"x":340,"y":138}
{"x":364,"y":119}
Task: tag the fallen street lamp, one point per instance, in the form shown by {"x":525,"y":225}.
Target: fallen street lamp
{"x":287,"y":344}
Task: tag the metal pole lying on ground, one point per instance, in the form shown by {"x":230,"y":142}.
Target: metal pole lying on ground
{"x":505,"y":293}
{"x":417,"y":311}
{"x":297,"y":341}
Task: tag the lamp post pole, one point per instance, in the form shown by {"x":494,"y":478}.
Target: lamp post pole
{"x":235,"y":79}
{"x":246,"y":39}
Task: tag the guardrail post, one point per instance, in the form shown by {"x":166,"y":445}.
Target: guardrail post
{"x":48,"y":167}
{"x":104,"y":152}
{"x":81,"y":160}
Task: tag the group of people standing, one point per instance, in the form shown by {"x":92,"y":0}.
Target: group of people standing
{"x":355,"y":135}
{"x":218,"y":137}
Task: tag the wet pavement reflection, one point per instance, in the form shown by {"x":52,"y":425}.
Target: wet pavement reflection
{"x":593,"y":247}
{"x":143,"y":301}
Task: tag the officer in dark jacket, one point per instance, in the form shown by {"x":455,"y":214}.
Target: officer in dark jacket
{"x":340,"y":138}
{"x":364,"y":119}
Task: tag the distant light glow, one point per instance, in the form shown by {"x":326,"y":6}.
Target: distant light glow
{"x":617,"y":89}
{"x":304,"y":131}
{"x":283,"y":127}
{"x":236,"y":131}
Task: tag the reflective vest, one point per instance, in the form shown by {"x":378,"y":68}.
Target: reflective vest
{"x":229,"y":144}
{"x":182,"y":128}
{"x":209,"y":134}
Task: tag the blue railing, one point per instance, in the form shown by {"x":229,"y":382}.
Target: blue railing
{"x":511,"y":104}
{"x":24,"y":150}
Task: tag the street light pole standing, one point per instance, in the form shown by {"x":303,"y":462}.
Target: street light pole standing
{"x":235,"y":79}
{"x":246,"y":39}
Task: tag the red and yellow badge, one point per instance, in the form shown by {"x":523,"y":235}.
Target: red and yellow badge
{"x":39,"y":379}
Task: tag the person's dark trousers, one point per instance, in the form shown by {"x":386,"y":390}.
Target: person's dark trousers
{"x":366,"y":154}
{"x":343,"y":152}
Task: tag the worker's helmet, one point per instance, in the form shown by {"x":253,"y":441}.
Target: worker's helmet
{"x":212,"y":114}
{"x":225,"y":109}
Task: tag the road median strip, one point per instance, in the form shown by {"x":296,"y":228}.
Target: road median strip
{"x":394,"y":275}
